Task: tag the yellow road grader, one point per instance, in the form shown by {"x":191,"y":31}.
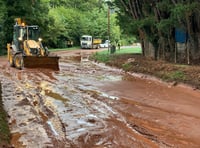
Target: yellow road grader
{"x":26,"y":49}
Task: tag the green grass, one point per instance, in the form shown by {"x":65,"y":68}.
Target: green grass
{"x":175,"y":75}
{"x":126,"y":66}
{"x":105,"y":56}
{"x":100,"y":57}
{"x":134,"y":50}
{"x":4,"y":128}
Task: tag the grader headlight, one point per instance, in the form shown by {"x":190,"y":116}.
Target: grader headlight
{"x":40,"y":39}
{"x":20,"y":38}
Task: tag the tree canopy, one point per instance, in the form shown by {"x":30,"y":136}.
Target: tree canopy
{"x":157,"y":21}
{"x":59,"y":20}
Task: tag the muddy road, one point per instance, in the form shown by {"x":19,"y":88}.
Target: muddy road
{"x":90,"y":105}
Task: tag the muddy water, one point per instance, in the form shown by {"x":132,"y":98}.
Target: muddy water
{"x":90,"y":105}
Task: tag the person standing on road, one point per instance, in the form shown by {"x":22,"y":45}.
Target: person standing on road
{"x":118,"y":44}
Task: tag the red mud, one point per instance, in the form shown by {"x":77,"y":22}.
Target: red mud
{"x":90,"y":105}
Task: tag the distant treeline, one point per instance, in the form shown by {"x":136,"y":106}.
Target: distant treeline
{"x":60,"y":21}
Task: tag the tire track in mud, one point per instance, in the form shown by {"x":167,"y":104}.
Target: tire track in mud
{"x":146,"y":132}
{"x":150,"y":129}
{"x":31,"y":95}
{"x":22,"y":117}
{"x":106,"y":109}
{"x":67,"y":109}
{"x":28,"y":115}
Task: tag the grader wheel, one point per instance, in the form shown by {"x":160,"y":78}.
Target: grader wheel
{"x":10,"y":56}
{"x":11,"y":60}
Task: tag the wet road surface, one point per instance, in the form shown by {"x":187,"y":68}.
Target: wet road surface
{"x":90,"y":105}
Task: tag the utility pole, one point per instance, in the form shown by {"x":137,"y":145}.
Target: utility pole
{"x":108,"y":4}
{"x":108,"y":27}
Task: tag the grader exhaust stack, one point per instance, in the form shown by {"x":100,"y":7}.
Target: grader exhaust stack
{"x":27,"y":50}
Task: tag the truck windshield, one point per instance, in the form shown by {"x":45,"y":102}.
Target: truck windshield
{"x":85,"y":38}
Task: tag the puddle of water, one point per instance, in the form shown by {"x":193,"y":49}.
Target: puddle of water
{"x":91,"y":90}
{"x":81,"y":129}
{"x":52,"y":128}
{"x":83,"y":122}
{"x":110,"y":78}
{"x":108,"y":96}
{"x":56,"y":96}
{"x":92,"y":116}
{"x":47,"y":91}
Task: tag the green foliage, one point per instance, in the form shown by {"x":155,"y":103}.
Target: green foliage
{"x":31,"y":12}
{"x":62,"y":20}
{"x":86,"y":5}
{"x":2,"y":41}
{"x":103,"y":57}
{"x":4,"y":129}
{"x":155,"y":21}
{"x":128,"y":40}
{"x":127,"y":66}
{"x":59,"y":20}
{"x":72,"y":22}
{"x":164,"y":25}
{"x":176,"y":75}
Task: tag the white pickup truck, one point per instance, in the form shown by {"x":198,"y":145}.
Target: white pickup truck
{"x":105,"y":44}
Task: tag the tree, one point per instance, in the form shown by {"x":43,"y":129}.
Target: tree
{"x":2,"y":12}
{"x":156,"y":21}
{"x":32,"y":12}
{"x":75,"y":18}
{"x":59,"y":20}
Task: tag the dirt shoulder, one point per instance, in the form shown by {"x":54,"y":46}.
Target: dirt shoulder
{"x":168,"y":72}
{"x":4,"y":129}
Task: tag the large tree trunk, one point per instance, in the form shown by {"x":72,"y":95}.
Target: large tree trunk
{"x":189,"y":32}
{"x":142,"y":37}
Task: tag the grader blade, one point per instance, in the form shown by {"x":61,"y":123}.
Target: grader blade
{"x":41,"y":62}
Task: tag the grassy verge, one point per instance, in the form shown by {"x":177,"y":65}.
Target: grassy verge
{"x":106,"y":56}
{"x":129,"y":60}
{"x":4,"y":129}
{"x":129,"y":50}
